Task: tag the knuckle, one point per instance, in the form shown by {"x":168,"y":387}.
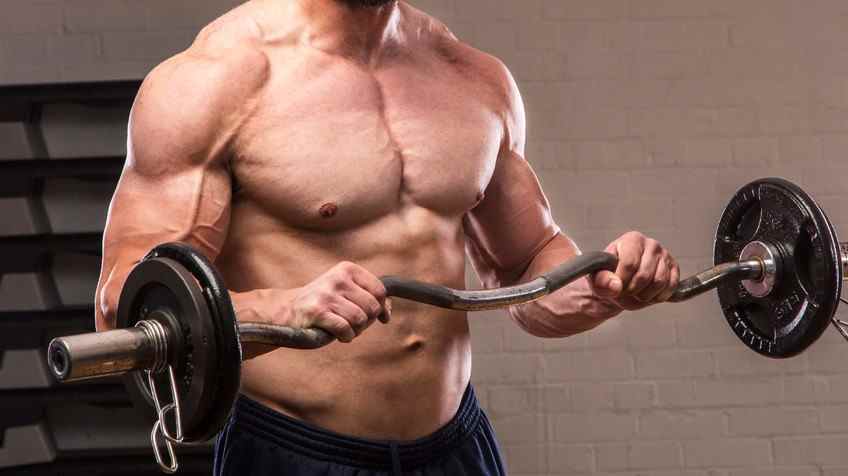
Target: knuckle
{"x":323,"y":298}
{"x":313,"y":307}
{"x":345,"y":268}
{"x":630,"y":266}
{"x":339,"y":283}
{"x":640,"y":281}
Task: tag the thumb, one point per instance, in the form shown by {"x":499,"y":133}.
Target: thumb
{"x":607,"y":284}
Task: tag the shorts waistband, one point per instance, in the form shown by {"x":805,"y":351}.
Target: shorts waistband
{"x":315,"y":442}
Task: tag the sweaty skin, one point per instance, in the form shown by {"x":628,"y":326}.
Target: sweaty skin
{"x":295,"y":135}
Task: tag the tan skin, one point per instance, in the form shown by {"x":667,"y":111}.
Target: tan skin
{"x":309,"y":147}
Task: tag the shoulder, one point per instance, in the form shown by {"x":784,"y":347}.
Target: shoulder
{"x":194,"y":99}
{"x":225,"y":60}
{"x":485,"y":70}
{"x":489,"y":74}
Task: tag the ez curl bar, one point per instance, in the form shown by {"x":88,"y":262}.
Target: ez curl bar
{"x":779,"y":274}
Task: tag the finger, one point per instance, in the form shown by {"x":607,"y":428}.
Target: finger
{"x":629,"y":261}
{"x":648,"y":262}
{"x":336,"y":325}
{"x":673,"y":281}
{"x":373,"y":286}
{"x":353,"y":314}
{"x":386,"y":316}
{"x":364,"y":300}
{"x":606,"y":284}
{"x":659,"y":283}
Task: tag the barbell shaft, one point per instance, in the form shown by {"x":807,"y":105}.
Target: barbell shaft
{"x":118,"y":351}
{"x":440,"y":296}
{"x":713,"y":277}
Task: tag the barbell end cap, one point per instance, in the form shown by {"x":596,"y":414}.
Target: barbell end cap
{"x":59,"y":359}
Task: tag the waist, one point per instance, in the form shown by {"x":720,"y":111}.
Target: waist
{"x":315,"y":442}
{"x":363,"y":388}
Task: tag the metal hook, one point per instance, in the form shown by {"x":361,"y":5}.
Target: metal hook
{"x":162,"y":410}
{"x":161,"y":425}
{"x":173,"y":464}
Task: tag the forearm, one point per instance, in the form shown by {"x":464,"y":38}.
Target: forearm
{"x":263,"y":305}
{"x":271,"y":306}
{"x":568,"y":311}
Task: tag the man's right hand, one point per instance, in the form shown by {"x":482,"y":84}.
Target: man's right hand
{"x":344,"y":301}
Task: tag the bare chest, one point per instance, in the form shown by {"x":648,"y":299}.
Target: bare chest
{"x":330,"y":146}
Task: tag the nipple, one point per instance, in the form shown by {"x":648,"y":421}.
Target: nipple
{"x":328,"y":210}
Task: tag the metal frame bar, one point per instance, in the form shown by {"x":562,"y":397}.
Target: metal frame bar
{"x":17,"y":102}
{"x":25,"y":178}
{"x":28,"y":253}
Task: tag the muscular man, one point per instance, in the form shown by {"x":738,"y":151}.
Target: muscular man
{"x":309,"y":146}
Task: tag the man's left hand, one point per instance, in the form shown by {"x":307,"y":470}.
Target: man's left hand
{"x":647,"y":274}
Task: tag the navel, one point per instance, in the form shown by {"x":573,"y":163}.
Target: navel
{"x":415,"y":346}
{"x":328,"y":210}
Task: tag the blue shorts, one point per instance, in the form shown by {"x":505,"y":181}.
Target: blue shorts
{"x":259,"y":441}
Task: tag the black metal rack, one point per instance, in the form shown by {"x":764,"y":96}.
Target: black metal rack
{"x":25,"y":177}
{"x":22,"y":102}
{"x":26,"y":331}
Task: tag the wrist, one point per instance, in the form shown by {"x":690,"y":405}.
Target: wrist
{"x":569,"y":311}
{"x":269,"y":306}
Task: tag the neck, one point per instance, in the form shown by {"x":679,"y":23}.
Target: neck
{"x":342,"y":27}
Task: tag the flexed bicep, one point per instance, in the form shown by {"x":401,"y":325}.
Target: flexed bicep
{"x":175,"y":185}
{"x":513,"y":222}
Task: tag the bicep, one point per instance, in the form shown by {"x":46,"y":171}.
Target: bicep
{"x":190,"y":206}
{"x":512,"y":223}
{"x":173,"y":188}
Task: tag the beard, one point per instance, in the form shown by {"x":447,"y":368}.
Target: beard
{"x":367,"y":3}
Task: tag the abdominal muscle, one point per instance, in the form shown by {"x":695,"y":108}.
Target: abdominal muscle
{"x":402,"y":380}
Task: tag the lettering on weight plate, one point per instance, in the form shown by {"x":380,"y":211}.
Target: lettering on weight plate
{"x":787,"y":305}
{"x":772,"y":220}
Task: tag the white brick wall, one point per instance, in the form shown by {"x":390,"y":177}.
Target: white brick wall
{"x":649,"y":114}
{"x":79,"y":40}
{"x":643,"y":114}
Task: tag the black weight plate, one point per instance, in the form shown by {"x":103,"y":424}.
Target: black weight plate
{"x":163,"y":289}
{"x":226,"y":365}
{"x":805,"y":298}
